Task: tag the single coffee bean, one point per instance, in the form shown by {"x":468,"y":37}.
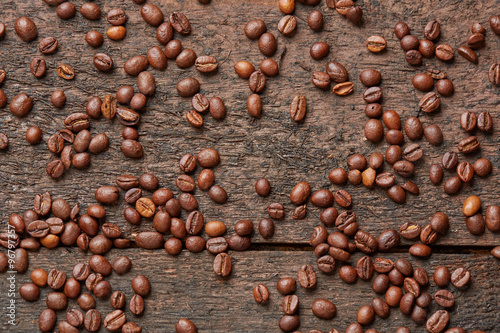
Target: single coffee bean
{"x":188,"y":87}
{"x":342,"y":6}
{"x":152,"y":14}
{"x":343,"y":89}
{"x":136,"y":305}
{"x":445,"y":87}
{"x":438,"y":321}
{"x":493,"y":218}
{"x":307,"y":277}
{"x":92,"y":320}
{"x":355,"y":15}
{"x":475,"y":224}
{"x":382,"y":265}
{"x":364,"y":268}
{"x":180,"y":23}
{"x":468,"y":121}
{"x":485,"y":121}
{"x":373,"y":94}
{"x":66,"y":72}
{"x":475,"y":41}
{"x":423,"y":82}
{"x":267,"y":44}
{"x":47,"y":320}
{"x":444,"y":298}
{"x":452,"y":185}
{"x":495,"y":24}
{"x":319,"y":50}
{"x":186,"y":58}
{"x":433,"y":134}
{"x":287,"y":25}
{"x":441,"y":276}
{"x":465,"y":172}
{"x":409,"y":42}
{"x":376,"y":44}
{"x":266,"y":228}
{"x":374,"y":130}
{"x":468,"y":145}
{"x":26,"y":29}
{"x":401,"y":29}
{"x":432,"y":30}
{"x":468,"y":53}
{"x":337,"y":72}
{"x":450,"y":160}
{"x":321,"y":80}
{"x":322,"y":198}
{"x":324,"y":309}
{"x":387,"y":240}
{"x":444,"y":52}
{"x":426,"y":48}
{"x":261,"y":294}
{"x":222,"y":264}
{"x":413,"y":128}
{"x":429,"y":102}
{"x":254,"y":29}
{"x":298,"y":108}
{"x":315,"y":20}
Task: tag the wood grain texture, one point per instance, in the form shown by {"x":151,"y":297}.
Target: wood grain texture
{"x":185,"y":286}
{"x":273,"y":146}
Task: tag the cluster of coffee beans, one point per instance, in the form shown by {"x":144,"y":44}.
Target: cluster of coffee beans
{"x":401,"y":284}
{"x":337,"y":73}
{"x":474,"y":219}
{"x":92,"y":275}
{"x":347,"y":8}
{"x":475,"y":41}
{"x":80,"y":143}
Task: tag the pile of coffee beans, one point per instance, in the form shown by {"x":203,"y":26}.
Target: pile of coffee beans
{"x":53,"y":222}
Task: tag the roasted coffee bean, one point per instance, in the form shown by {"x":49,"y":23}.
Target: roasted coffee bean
{"x":287,"y":25}
{"x":413,"y":57}
{"x":444,"y":52}
{"x":404,"y":168}
{"x":409,"y":230}
{"x":188,"y":87}
{"x":365,"y":242}
{"x":387,"y":240}
{"x":29,"y":292}
{"x":465,"y":172}
{"x":66,"y":72}
{"x":409,"y":42}
{"x":429,"y":102}
{"x":254,"y":29}
{"x":146,"y":83}
{"x":423,"y":82}
{"x":475,"y":41}
{"x":149,"y":240}
{"x":445,"y":87}
{"x":254,"y":105}
{"x":136,"y":305}
{"x":38,"y":229}
{"x":433,"y":134}
{"x":494,"y":73}
{"x":380,"y":284}
{"x":391,"y":120}
{"x":47,"y":320}
{"x":131,"y":148}
{"x":355,"y":177}
{"x":376,"y":44}
{"x":438,"y":321}
{"x":346,"y":222}
{"x":276,"y":210}
{"x":485,"y":121}
{"x":452,"y":185}
{"x":261,"y":295}
{"x":343,"y":89}
{"x":321,"y":80}
{"x":401,"y":29}
{"x":468,"y":121}
{"x":257,"y":82}
{"x":152,"y":14}
{"x":324,"y":309}
{"x":267,"y":44}
{"x":432,"y":30}
{"x":315,"y":20}
{"x":450,"y":160}
{"x":493,"y":218}
{"x":468,"y":53}
{"x":373,"y":94}
{"x":444,"y":298}
{"x":135,"y":65}
{"x":355,"y":15}
{"x":48,"y":45}
{"x":157,"y":58}
{"x":382,"y":265}
{"x":26,"y":29}
{"x":21,"y":105}
{"x":217,"y":108}
{"x":468,"y":145}
{"x":289,"y":323}
{"x":319,"y":50}
{"x":194,"y":119}
{"x":337,"y":72}
{"x":364,"y":268}
{"x":180,"y":23}
{"x":200,"y":103}
{"x":307,"y":277}
{"x":215,"y":228}
{"x":222,"y":265}
{"x":338,"y":176}
{"x":426,"y":48}
{"x":217,"y":245}
{"x":186,"y":58}
{"x":243,"y":227}
{"x":74,"y":317}
{"x":92,"y":320}
{"x":413,"y":128}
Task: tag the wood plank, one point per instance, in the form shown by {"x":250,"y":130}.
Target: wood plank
{"x":273,"y":146}
{"x":185,"y":286}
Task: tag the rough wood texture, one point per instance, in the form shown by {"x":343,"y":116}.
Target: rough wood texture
{"x":185,"y":286}
{"x":273,"y":147}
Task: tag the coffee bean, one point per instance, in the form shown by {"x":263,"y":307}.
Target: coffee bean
{"x":423,"y":82}
{"x":370,"y":77}
{"x":383,"y":265}
{"x":475,"y":41}
{"x":441,"y":276}
{"x":26,"y":29}
{"x":324,"y":309}
{"x":355,"y":15}
{"x":393,"y":296}
{"x":373,"y":94}
{"x":433,"y":134}
{"x":364,"y":268}
{"x":66,"y":72}
{"x":343,"y":6}
{"x":321,"y":80}
{"x":444,"y":52}
{"x":222,"y":264}
{"x":21,"y":105}
{"x":385,"y":180}
{"x":261,"y":294}
{"x":307,"y":277}
{"x":127,"y":182}
{"x":413,"y":128}
{"x":244,"y":69}
{"x":376,"y":44}
{"x":267,"y":44}
{"x":135,"y":65}
{"x":450,"y":160}
{"x":439,"y":222}
{"x":47,"y":320}
{"x":426,"y":48}
{"x":343,"y":89}
{"x":444,"y":298}
{"x":401,"y":29}
{"x":152,"y":14}
{"x":420,"y":250}
{"x":355,"y":177}
{"x":92,"y":320}
{"x":136,"y":305}
{"x":346,"y":222}
{"x":468,"y":53}
{"x":475,"y":224}
{"x":188,"y":87}
{"x":286,"y":286}
{"x":266,"y":228}
{"x":465,"y":172}
{"x":495,"y":24}
{"x":254,"y":29}
{"x":493,"y":218}
{"x":298,"y":108}
{"x":496,"y":252}
{"x":287,"y":25}
{"x":429,"y":102}
{"x":438,"y":321}
{"x":388,"y":240}
{"x":337,"y":72}
{"x":208,"y":158}
{"x":254,"y":105}
{"x":445,"y":87}
{"x":289,"y":323}
{"x":485,"y":121}
{"x":469,"y":145}
{"x":468,"y":121}
{"x":186,"y":58}
{"x":180,"y":23}
{"x":194,"y":119}
{"x":452,"y":185}
{"x":205,"y":179}
{"x":319,"y":50}
{"x":217,"y":108}
{"x":432,"y":30}
{"x":406,"y":303}
{"x":409,"y":42}
{"x":315,"y":20}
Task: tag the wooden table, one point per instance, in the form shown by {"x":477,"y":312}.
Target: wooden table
{"x":273,"y":147}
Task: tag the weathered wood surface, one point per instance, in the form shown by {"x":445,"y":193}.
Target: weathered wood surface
{"x":273,"y":146}
{"x":185,"y":286}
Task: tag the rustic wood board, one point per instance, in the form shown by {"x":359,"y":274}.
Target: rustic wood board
{"x":273,"y":146}
{"x":185,"y":286}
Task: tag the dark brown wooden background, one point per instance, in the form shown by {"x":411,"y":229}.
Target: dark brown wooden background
{"x":273,"y":147}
